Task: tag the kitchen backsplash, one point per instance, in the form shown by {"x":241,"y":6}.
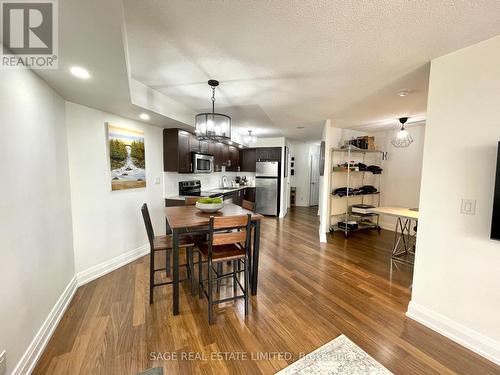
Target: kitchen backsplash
{"x":208,"y":180}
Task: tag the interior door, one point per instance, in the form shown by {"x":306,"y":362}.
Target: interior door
{"x":314,"y":188}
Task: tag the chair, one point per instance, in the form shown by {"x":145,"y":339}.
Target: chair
{"x":247,"y":205}
{"x":165,"y":243}
{"x":223,"y":246}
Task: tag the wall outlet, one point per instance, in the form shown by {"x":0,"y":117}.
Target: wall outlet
{"x":468,"y":207}
{"x":3,"y":363}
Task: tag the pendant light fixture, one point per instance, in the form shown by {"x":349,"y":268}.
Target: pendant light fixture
{"x":403,"y":138}
{"x":249,"y":138}
{"x":215,"y":127}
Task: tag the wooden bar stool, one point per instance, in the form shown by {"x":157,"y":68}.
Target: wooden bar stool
{"x":223,"y":246}
{"x":164,"y":243}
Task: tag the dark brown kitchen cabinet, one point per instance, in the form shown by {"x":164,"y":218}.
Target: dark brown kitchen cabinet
{"x":177,"y":151}
{"x":217,"y":157}
{"x":268,"y":154}
{"x":194,"y":144}
{"x":205,"y":146}
{"x":234,"y":157}
{"x":224,"y":154}
{"x":249,"y":194}
{"x":247,"y":159}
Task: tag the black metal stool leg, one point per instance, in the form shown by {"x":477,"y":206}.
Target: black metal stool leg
{"x":200,"y":276}
{"x":247,"y":283}
{"x":210,"y":297}
{"x":219,"y":272}
{"x":235,"y":276}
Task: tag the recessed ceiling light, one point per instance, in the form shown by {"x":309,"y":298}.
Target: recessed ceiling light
{"x":300,"y":127}
{"x":144,"y":116}
{"x":404,"y":92}
{"x":80,"y":72}
{"x":240,"y":146}
{"x":229,"y":143}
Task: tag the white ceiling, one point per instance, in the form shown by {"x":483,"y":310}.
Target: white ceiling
{"x":282,"y":64}
{"x":288,"y":63}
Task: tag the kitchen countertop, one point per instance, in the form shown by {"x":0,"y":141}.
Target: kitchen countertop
{"x":211,"y":192}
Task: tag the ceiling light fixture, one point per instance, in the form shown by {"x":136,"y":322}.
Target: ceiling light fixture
{"x":403,"y":138}
{"x":213,"y":126}
{"x":144,"y":116}
{"x":403,"y":92}
{"x":249,"y":138}
{"x":80,"y":72}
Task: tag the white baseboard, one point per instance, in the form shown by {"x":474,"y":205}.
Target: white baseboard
{"x":103,"y":268}
{"x":37,"y":345}
{"x":473,"y":340}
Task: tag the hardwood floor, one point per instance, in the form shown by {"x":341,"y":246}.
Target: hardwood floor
{"x":309,"y":293}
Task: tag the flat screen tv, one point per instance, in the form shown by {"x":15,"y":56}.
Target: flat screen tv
{"x":495,"y":221}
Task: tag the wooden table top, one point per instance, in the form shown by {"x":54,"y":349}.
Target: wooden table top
{"x":190,"y":216}
{"x":396,"y":211}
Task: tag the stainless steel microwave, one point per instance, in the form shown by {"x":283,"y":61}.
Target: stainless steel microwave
{"x":203,"y":163}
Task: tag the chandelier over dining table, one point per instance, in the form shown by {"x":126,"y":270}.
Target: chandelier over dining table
{"x":213,"y":126}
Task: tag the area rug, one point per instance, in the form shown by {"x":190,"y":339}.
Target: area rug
{"x":339,"y":356}
{"x":152,"y":371}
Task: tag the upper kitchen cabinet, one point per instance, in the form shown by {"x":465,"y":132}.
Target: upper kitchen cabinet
{"x":177,"y":151}
{"x":207,"y":147}
{"x":218,"y":157}
{"x":178,"y":146}
{"x":248,"y":159}
{"x":268,"y":154}
{"x":234,"y":159}
{"x":194,"y":144}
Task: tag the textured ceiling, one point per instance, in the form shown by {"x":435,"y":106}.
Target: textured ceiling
{"x":288,"y":63}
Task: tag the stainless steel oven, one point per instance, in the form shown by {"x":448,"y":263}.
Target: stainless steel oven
{"x":203,"y":163}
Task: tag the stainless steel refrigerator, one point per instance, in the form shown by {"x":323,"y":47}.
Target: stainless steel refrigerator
{"x":267,"y":194}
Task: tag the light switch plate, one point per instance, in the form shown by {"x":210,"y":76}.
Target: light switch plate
{"x":3,"y":363}
{"x":157,"y":180}
{"x":468,"y":207}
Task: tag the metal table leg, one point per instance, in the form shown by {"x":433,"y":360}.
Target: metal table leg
{"x":403,"y":240}
{"x":175,"y":250}
{"x":255,"y":261}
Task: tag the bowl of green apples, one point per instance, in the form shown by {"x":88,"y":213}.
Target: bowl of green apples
{"x":209,"y":205}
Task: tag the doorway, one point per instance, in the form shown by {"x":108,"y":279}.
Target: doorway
{"x":314,"y":180}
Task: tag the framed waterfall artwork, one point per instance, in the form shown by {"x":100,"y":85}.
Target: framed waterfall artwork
{"x":126,"y":157}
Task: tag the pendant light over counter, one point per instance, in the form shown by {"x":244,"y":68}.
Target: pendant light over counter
{"x":215,"y":127}
{"x":402,"y":138}
{"x":248,"y":139}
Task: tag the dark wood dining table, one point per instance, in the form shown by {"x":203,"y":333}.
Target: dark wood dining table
{"x":185,"y":219}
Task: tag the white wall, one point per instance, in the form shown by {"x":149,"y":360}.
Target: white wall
{"x":37,"y":261}
{"x":456,"y":286}
{"x":108,"y":223}
{"x":332,"y":137}
{"x":302,"y":153}
{"x":400,"y":181}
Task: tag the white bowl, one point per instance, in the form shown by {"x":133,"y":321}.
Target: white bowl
{"x":209,"y":207}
